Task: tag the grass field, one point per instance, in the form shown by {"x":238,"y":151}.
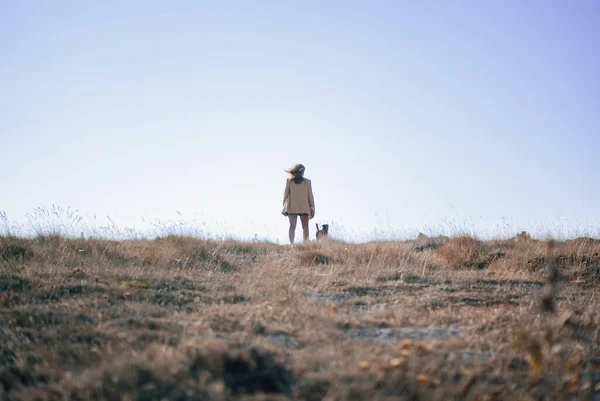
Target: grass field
{"x":179,"y":318}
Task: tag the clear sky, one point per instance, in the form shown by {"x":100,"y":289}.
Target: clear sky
{"x":408,"y":115}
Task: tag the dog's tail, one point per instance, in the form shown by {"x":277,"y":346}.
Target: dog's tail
{"x":317,"y":226}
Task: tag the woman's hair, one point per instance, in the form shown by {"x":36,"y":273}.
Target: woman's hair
{"x":297,"y":173}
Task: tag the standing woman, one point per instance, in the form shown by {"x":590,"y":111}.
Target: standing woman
{"x":298,"y":200}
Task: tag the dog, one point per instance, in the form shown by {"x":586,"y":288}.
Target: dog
{"x":323,"y":232}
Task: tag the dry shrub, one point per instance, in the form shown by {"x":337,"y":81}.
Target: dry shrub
{"x":466,"y":252}
{"x":578,"y":258}
{"x":581,"y":252}
{"x":512,"y":262}
{"x":518,"y":252}
{"x":577,"y":252}
{"x":583,"y":245}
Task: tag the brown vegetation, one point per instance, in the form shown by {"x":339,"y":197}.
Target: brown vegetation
{"x":185,"y":319}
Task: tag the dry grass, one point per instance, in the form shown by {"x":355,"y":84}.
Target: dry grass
{"x":184,"y":319}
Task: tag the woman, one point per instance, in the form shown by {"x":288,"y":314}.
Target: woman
{"x":298,"y":200}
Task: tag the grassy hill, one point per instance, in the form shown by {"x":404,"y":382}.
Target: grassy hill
{"x":180,"y":318}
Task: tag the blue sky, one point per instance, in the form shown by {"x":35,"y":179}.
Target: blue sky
{"x":408,"y":116}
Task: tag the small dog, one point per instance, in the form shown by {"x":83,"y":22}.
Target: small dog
{"x":322,"y":233}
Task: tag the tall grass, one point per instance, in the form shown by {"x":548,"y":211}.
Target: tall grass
{"x":70,"y":223}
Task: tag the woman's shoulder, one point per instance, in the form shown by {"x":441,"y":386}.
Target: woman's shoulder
{"x":291,"y":179}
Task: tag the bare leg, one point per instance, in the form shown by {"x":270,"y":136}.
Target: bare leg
{"x":293,"y":219}
{"x":304,"y":221}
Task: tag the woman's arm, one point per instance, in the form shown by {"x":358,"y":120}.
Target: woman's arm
{"x":311,"y":200}
{"x":286,"y":193}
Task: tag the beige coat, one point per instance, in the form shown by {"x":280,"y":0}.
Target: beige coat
{"x":298,"y":198}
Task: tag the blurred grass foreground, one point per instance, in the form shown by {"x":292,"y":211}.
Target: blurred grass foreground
{"x":184,"y":317}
